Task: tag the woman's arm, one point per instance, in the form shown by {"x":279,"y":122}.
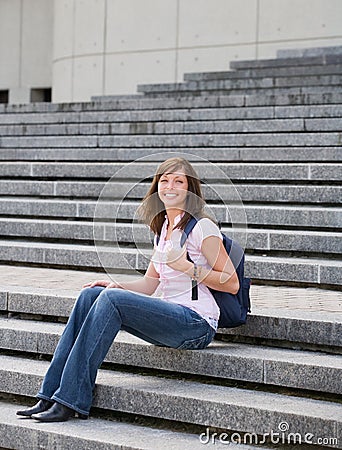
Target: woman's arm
{"x":146,"y":285}
{"x":221,"y":277}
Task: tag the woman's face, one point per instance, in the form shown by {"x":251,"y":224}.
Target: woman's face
{"x":173,"y":189}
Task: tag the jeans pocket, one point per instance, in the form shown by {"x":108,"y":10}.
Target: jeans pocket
{"x":197,"y":343}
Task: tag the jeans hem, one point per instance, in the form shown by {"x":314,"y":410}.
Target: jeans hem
{"x":43,"y":397}
{"x":69,"y":405}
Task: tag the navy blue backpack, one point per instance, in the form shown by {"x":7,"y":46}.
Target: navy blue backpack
{"x":233,"y":307}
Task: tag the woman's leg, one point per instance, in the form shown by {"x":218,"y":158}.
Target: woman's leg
{"x":153,"y":319}
{"x":80,"y":310}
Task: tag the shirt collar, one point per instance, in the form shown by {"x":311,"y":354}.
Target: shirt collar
{"x":177,"y":220}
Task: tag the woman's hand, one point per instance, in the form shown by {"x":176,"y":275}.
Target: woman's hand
{"x":104,"y":283}
{"x":176,"y":259}
{"x":113,"y":285}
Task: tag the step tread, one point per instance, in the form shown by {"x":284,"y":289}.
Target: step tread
{"x":237,"y":350}
{"x":250,"y":154}
{"x":280,"y":215}
{"x":29,"y":222}
{"x":284,"y":302}
{"x":287,"y":61}
{"x":278,"y":139}
{"x":266,"y":82}
{"x":6,"y":243}
{"x":180,"y":394}
{"x":280,"y":72}
{"x":33,"y":199}
{"x":214,"y":113}
{"x":310,"y":316}
{"x":185,"y":126}
{"x":235,"y":361}
{"x":140,"y":102}
{"x":284,"y":269}
{"x":94,"y":433}
{"x":274,"y":192}
{"x":290,"y":171}
{"x":93,"y":248}
{"x":267,"y":240}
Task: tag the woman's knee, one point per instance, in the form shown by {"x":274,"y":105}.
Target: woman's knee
{"x":115,"y":296}
{"x":88,"y":295}
{"x":110,"y":294}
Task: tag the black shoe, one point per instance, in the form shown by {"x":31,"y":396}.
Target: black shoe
{"x":41,"y":406}
{"x":57,"y":413}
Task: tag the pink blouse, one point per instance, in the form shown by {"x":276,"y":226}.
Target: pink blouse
{"x":176,"y":286}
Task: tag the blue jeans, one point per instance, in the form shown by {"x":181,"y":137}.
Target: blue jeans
{"x":95,"y":320}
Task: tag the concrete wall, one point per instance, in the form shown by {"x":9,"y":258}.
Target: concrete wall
{"x":25,"y":47}
{"x":109,"y":46}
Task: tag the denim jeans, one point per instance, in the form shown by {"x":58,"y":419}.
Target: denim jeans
{"x":95,"y":320}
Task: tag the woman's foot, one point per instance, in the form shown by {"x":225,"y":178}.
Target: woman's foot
{"x":57,"y":413}
{"x":41,"y":406}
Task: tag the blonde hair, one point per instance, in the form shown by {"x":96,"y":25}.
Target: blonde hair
{"x":152,"y":210}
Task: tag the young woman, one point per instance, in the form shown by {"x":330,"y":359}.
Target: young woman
{"x":157,"y":308}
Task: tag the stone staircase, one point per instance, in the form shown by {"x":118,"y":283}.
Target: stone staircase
{"x":71,"y":177}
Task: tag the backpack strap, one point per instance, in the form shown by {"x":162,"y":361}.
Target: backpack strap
{"x":187,"y":230}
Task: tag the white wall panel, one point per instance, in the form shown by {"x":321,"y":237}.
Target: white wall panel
{"x":217,"y":22}
{"x":37,"y":43}
{"x":63,"y":36}
{"x":62,"y":81}
{"x":87,"y":77}
{"x":140,"y":25}
{"x":89,"y":26}
{"x":299,"y":19}
{"x":124,"y":72}
{"x":10,"y":54}
{"x":268,"y":50}
{"x":211,"y":59}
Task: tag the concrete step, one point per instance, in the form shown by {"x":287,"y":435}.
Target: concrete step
{"x":304,"y":217}
{"x":252,"y":154}
{"x":303,"y":271}
{"x":325,"y":139}
{"x":256,"y":193}
{"x":287,"y":327}
{"x":270,"y":125}
{"x":256,"y":239}
{"x":288,"y":62}
{"x":176,"y":127}
{"x":253,"y":84}
{"x":302,"y":78}
{"x":309,"y":52}
{"x":315,"y":70}
{"x":142,"y":103}
{"x":234,"y":361}
{"x":305,"y":97}
{"x":186,"y":90}
{"x":243,"y":410}
{"x":206,"y":172}
{"x":97,"y":433}
{"x":291,"y":317}
{"x":170,"y":115}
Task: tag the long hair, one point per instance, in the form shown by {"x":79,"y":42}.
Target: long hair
{"x":152,"y":210}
